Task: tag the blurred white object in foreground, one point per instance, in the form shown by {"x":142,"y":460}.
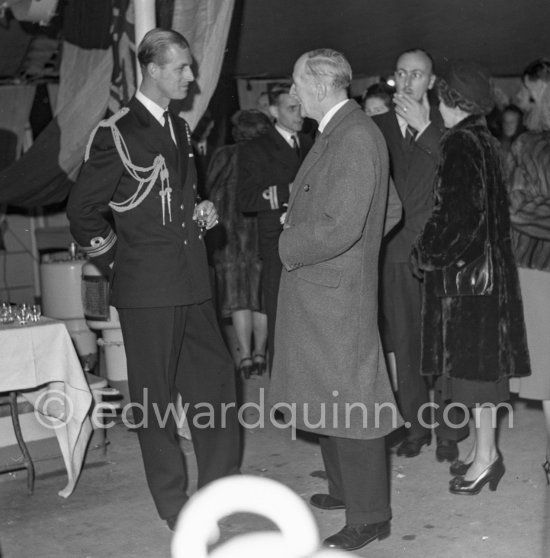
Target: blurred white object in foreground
{"x":197,"y":525}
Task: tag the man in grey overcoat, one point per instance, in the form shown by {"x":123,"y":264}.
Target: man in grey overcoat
{"x":329,"y":374}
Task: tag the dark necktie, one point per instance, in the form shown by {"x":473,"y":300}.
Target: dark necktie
{"x":295,"y":145}
{"x":167,"y":125}
{"x":410,"y":135}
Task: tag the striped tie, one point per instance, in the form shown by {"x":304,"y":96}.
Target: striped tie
{"x":410,"y":135}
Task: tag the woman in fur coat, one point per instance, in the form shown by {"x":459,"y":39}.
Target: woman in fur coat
{"x":234,"y":247}
{"x":529,"y":193}
{"x":475,"y":342}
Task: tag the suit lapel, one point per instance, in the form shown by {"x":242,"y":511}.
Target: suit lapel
{"x":397,"y":137}
{"x":156,"y":137}
{"x":156,"y":140}
{"x":184,"y":150}
{"x":281,"y":150}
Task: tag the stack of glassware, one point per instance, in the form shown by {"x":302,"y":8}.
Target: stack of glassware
{"x":22,"y":312}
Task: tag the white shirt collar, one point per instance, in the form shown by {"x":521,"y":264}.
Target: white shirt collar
{"x":156,"y":110}
{"x":287,"y":135}
{"x":403,"y":127}
{"x":326,"y":119}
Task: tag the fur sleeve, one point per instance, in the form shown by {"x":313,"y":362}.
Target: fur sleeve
{"x":529,"y":184}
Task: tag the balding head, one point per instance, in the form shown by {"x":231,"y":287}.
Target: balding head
{"x":414,"y":73}
{"x":423,"y":54}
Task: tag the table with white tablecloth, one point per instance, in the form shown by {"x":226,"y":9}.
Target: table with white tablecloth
{"x":38,"y":360}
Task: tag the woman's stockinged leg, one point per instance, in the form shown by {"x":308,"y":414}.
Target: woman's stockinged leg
{"x":485,"y":423}
{"x":259,"y":327}
{"x":242,"y":322}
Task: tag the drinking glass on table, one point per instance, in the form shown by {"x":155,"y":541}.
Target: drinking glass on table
{"x":36,"y":312}
{"x":23,"y":313}
{"x":6,"y":313}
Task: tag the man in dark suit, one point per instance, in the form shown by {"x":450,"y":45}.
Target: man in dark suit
{"x":328,"y":355}
{"x":412,"y":132}
{"x":139,"y":174}
{"x":267,"y":166}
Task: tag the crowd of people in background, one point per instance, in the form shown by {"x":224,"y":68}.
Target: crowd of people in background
{"x":397,"y":241}
{"x":470,"y":167}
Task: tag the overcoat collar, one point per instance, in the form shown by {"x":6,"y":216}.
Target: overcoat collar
{"x":471,"y":121}
{"x":321,"y":145}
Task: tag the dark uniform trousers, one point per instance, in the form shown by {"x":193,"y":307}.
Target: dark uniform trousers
{"x":357,"y":473}
{"x":271,"y":277}
{"x":180,"y":349}
{"x":402,"y":300}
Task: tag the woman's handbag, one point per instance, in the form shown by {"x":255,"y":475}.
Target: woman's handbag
{"x":466,"y":279}
{"x":472,"y":274}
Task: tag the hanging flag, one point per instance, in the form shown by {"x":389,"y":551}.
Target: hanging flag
{"x":45,"y":173}
{"x":205,"y":24}
{"x":97,"y":77}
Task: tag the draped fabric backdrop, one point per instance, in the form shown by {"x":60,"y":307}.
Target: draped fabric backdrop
{"x":97,"y":77}
{"x":15,"y":109}
{"x":205,"y":24}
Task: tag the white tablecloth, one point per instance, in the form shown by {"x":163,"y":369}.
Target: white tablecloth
{"x":40,"y":358}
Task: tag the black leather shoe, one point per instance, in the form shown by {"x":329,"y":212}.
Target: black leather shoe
{"x":459,"y":468}
{"x":353,"y":537}
{"x":326,"y":502}
{"x":411,"y":446}
{"x":446,"y":450}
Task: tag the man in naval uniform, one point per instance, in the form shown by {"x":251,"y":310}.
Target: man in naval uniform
{"x":267,"y":167}
{"x":133,"y":210}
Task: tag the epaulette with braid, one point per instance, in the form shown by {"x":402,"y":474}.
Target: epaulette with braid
{"x":144,"y":176}
{"x":105,"y":123}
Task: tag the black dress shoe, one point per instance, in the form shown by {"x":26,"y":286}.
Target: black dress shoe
{"x":446,"y":450}
{"x":326,"y":502}
{"x":411,"y":446}
{"x":353,"y":537}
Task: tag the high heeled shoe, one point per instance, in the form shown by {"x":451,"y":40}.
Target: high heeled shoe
{"x":546,"y":468}
{"x":491,"y":475}
{"x":260,"y":365}
{"x":246,"y":367}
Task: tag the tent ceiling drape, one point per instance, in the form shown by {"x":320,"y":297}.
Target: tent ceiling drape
{"x":505,"y":35}
{"x":266,"y":37}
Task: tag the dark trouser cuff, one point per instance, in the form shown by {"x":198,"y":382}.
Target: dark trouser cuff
{"x":362,"y":518}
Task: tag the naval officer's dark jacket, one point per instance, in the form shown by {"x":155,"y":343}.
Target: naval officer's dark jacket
{"x":267,"y":165}
{"x":157,"y":254}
